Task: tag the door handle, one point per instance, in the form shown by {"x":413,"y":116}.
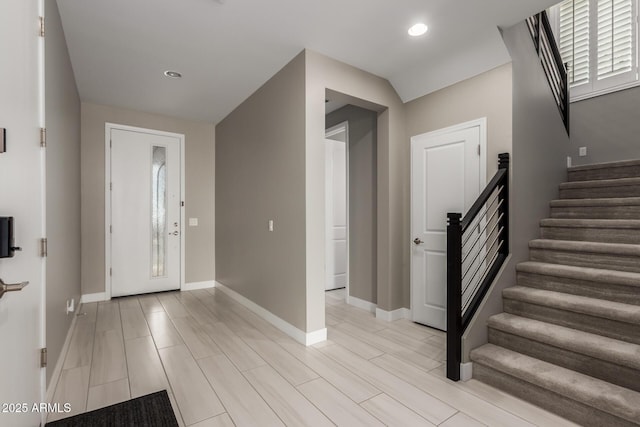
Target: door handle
{"x":417,"y":241}
{"x":175,"y":233}
{"x":12,"y":287}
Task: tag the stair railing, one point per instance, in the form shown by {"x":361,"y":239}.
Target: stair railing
{"x":477,"y":246}
{"x":554,"y":69}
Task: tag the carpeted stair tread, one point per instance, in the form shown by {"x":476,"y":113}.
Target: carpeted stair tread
{"x":595,"y":183}
{"x":592,"y":345}
{"x":591,"y":223}
{"x":606,"y":397}
{"x":626,"y":313}
{"x":596,"y":202}
{"x":616,"y":277}
{"x":624,"y":249}
{"x":605,"y":165}
{"x":618,"y":169}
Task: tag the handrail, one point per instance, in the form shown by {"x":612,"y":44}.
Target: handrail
{"x":554,"y":69}
{"x":490,"y":254}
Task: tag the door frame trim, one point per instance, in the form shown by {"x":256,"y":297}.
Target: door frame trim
{"x":107,"y":197}
{"x":341,"y":127}
{"x":482,"y":124}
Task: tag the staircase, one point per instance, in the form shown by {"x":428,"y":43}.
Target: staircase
{"x":569,"y":339}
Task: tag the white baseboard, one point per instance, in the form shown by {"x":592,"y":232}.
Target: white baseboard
{"x":390,"y":316}
{"x":306,"y":338}
{"x":466,"y":371}
{"x":198,"y":285}
{"x":57,"y":370}
{"x":315,"y":337}
{"x":87,"y":298}
{"x":360,"y":303}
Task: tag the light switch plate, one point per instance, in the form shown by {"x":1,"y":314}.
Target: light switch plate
{"x":193,"y":222}
{"x":270,"y":225}
{"x":3,"y":140}
{"x":582,"y":151}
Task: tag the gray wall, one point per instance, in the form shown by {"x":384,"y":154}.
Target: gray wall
{"x":260,"y":175}
{"x":486,"y":95}
{"x":63,"y":186}
{"x":199,"y":185}
{"x":539,"y":156}
{"x":608,"y":126}
{"x":362,"y":198}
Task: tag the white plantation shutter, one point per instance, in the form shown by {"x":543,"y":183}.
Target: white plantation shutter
{"x":574,"y":39}
{"x":615,"y":38}
{"x":598,"y":39}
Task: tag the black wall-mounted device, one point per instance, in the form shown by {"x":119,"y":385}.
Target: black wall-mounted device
{"x":7,"y":245}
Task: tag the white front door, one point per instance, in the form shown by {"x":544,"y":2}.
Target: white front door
{"x":447,"y":175}
{"x":21,"y":197}
{"x":145,"y":211}
{"x":336,"y":208}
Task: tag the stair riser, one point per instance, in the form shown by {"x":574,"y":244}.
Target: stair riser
{"x":605,"y":173}
{"x":600,"y":192}
{"x":585,"y":259}
{"x":596,"y":325}
{"x":604,"y":370}
{"x":596,"y":212}
{"x":584,"y":234}
{"x":601,"y":290}
{"x":553,"y":402}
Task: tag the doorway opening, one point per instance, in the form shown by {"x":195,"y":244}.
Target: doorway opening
{"x":337,"y":207}
{"x":350,"y":203}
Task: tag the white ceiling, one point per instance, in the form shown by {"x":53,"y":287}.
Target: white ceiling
{"x":227,"y":49}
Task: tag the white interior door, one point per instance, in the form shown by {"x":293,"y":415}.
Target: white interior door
{"x":336,"y":210}
{"x":22,"y":196}
{"x":145,"y":212}
{"x":447,"y":175}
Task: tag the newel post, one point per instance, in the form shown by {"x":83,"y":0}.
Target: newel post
{"x":454,"y":295}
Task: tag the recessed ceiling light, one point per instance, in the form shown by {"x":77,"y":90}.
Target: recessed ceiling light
{"x":172,"y":74}
{"x":418,"y":29}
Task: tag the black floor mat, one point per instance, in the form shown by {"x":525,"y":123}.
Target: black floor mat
{"x":152,"y":410}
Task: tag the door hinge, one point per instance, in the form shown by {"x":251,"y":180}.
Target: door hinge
{"x":110,"y":144}
{"x":478,"y":149}
{"x":111,"y":229}
{"x":43,"y":357}
{"x":182,"y":204}
{"x":43,"y":247}
{"x":111,"y":186}
{"x":41,"y":18}
{"x":110,"y":272}
{"x":43,"y":137}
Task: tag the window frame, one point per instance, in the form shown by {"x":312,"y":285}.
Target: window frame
{"x":596,"y":87}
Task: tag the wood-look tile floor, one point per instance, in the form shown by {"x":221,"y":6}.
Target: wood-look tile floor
{"x":224,"y":366}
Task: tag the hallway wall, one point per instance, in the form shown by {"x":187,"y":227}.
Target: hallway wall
{"x":260,"y":177}
{"x":608,"y":126}
{"x":199,"y":188}
{"x":486,"y":95}
{"x":62,"y":112}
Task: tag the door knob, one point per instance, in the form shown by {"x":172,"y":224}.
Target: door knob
{"x":13,"y":287}
{"x":417,"y":241}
